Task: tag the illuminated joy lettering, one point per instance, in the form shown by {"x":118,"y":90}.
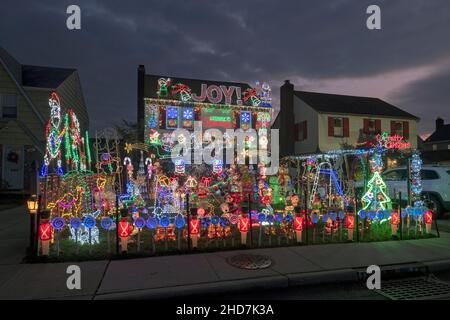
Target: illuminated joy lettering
{"x":214,"y":97}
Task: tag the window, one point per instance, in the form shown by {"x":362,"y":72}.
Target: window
{"x":429,"y":175}
{"x":338,"y":127}
{"x":395,"y":175}
{"x":9,"y":106}
{"x":301,"y":130}
{"x":400,"y":128}
{"x":372,"y":126}
{"x":434,"y":147}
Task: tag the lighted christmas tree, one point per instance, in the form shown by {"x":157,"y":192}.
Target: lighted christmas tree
{"x":376,"y":198}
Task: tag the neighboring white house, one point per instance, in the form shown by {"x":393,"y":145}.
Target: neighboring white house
{"x":312,"y":122}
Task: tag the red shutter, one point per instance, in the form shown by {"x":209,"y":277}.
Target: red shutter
{"x":162,"y":111}
{"x":405,"y":129}
{"x":254,"y":117}
{"x":366,"y":126}
{"x":346,"y":127}
{"x":378,"y":126}
{"x":237,"y":119}
{"x":392,"y":128}
{"x":330,"y":126}
{"x":305,"y":130}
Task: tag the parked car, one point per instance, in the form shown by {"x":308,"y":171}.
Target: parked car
{"x":435,"y":185}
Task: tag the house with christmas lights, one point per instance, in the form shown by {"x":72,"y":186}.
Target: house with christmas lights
{"x":24,"y":110}
{"x":313,"y":122}
{"x":167,"y":103}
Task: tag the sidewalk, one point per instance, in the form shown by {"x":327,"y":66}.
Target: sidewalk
{"x":183,"y":275}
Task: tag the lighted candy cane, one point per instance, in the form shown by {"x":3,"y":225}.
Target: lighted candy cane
{"x":148,"y":163}
{"x":127,"y":162}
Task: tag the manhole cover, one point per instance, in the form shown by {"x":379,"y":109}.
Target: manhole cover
{"x":415,"y":289}
{"x":250,"y":261}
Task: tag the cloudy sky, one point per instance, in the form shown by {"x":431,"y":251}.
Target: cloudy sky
{"x":319,"y":45}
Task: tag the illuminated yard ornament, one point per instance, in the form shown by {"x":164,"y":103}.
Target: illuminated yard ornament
{"x":252,"y":95}
{"x":54,"y":135}
{"x":217,"y":166}
{"x":416,"y":181}
{"x":376,"y":197}
{"x":265,"y":93}
{"x":180,"y":166}
{"x":183,"y":91}
{"x":163,"y":85}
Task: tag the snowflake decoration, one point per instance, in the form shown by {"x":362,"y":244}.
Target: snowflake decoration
{"x":245,"y":117}
{"x":188,"y":114}
{"x":172,"y":112}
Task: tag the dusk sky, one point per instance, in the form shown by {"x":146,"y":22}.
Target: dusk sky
{"x":319,"y":45}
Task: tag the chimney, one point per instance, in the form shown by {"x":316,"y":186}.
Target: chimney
{"x":439,"y":123}
{"x":140,"y":101}
{"x":286,"y":119}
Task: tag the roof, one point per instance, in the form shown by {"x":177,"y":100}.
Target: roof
{"x":441,"y":134}
{"x":44,"y":77}
{"x":151,"y":85}
{"x":335,"y":103}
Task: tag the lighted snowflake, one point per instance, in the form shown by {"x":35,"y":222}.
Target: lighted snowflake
{"x":245,"y":117}
{"x":172,"y":112}
{"x":188,"y":114}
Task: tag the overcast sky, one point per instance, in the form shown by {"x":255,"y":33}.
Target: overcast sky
{"x":319,"y":45}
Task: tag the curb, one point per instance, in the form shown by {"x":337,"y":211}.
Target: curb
{"x":214,"y":288}
{"x":277,"y":282}
{"x":437,"y":266}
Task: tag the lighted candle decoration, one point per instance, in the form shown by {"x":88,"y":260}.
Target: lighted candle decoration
{"x":244,"y":227}
{"x":194,"y":230}
{"x":428,"y":217}
{"x":298,"y":227}
{"x":125,"y":229}
{"x":395,"y":220}
{"x":45,"y":234}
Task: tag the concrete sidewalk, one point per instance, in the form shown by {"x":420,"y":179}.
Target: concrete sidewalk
{"x":184,"y":275}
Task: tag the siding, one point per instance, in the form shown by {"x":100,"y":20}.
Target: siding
{"x":356,"y":123}
{"x":72,"y":97}
{"x":11,"y":133}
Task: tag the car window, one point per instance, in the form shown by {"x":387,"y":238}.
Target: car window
{"x":429,"y":175}
{"x":448,"y":171}
{"x":395,"y":175}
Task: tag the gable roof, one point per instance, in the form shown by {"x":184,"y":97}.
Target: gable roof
{"x":44,"y":77}
{"x":441,"y":134}
{"x":336,"y":103}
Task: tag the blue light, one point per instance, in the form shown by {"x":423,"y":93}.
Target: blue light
{"x":89,"y":221}
{"x":75,"y":223}
{"x":152,"y":222}
{"x":58,"y":223}
{"x":179,"y":221}
{"x":106,"y":223}
{"x":139,"y":222}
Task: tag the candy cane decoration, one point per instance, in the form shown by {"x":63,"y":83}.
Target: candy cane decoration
{"x":148,"y":163}
{"x":127,"y":162}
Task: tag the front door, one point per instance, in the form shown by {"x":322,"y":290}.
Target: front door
{"x":12,"y":168}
